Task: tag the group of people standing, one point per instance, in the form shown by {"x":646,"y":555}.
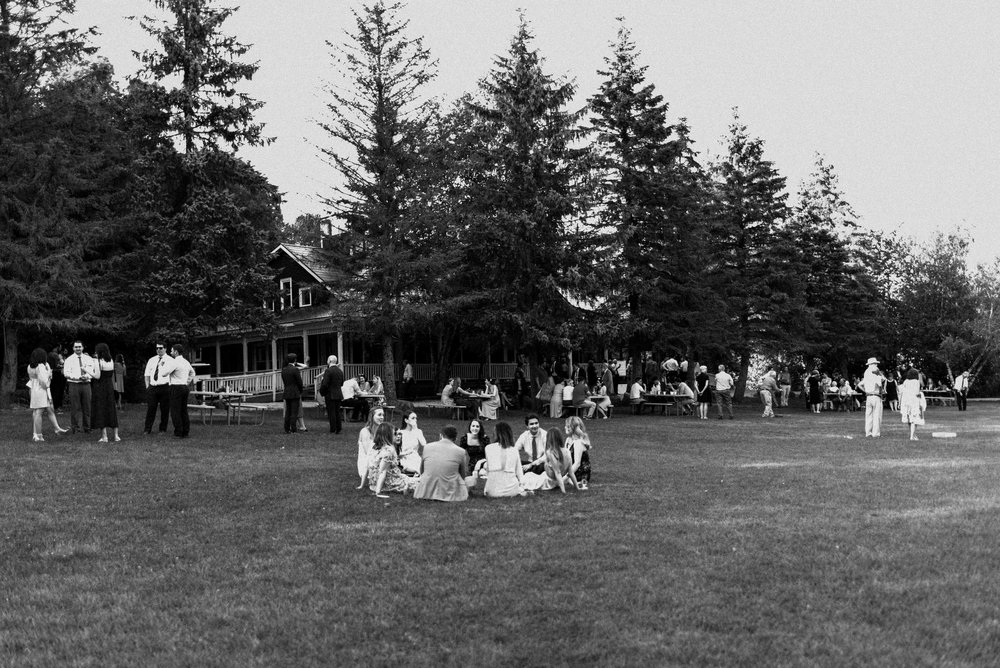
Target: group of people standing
{"x":90,"y":383}
{"x":401,"y":460}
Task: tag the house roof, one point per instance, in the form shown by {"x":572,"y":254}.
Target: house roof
{"x":321,"y":263}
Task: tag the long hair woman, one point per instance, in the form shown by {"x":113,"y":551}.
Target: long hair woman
{"x":578,"y":443}
{"x":39,"y":381}
{"x":366,"y":438}
{"x":503,"y":466}
{"x":412,"y":445}
{"x":558,"y":463}
{"x":103,"y":412}
{"x":383,"y":469}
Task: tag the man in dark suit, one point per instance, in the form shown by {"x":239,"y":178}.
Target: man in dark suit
{"x":330,"y":389}
{"x":292,"y":379}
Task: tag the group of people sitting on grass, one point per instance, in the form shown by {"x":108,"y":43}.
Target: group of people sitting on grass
{"x":401,"y":460}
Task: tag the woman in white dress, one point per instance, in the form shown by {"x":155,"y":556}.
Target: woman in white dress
{"x":558,"y":466}
{"x":502,"y":464}
{"x":911,"y":402}
{"x":412,"y":445}
{"x":39,"y":380}
{"x":366,"y":438}
{"x":490,"y":404}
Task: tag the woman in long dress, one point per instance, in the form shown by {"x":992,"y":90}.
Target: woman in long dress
{"x":39,"y":382}
{"x":578,"y":444}
{"x":103,"y":414}
{"x":412,"y":446}
{"x":384,"y":474}
{"x":912,"y":402}
{"x":366,"y":439}
{"x":488,"y":408}
{"x":502,"y":464}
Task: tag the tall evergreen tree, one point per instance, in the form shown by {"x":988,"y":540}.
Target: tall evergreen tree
{"x":653,"y":199}
{"x":527,"y":198}
{"x":755,"y":260}
{"x":839,"y":291}
{"x":392,"y":222}
{"x":47,"y":123}
{"x":205,"y":219}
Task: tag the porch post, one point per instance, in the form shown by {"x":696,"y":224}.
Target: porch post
{"x":305,"y":346}
{"x":274,"y":367}
{"x":246,"y":358}
{"x":340,"y":347}
{"x":218,"y":358}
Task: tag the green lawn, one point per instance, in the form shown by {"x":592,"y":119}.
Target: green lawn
{"x":792,"y":541}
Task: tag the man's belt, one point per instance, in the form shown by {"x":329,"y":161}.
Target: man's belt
{"x":874,"y":394}
{"x":78,"y":382}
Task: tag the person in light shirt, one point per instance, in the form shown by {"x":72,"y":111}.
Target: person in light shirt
{"x":350,"y":389}
{"x":79,"y":370}
{"x":724,"y":384}
{"x":873,"y":385}
{"x":180,"y":380}
{"x":530,"y":446}
{"x":961,"y":389}
{"x":156,"y":375}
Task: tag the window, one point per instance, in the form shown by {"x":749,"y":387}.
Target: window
{"x":305,"y":297}
{"x":286,"y":293}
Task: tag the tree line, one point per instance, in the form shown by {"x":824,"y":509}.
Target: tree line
{"x":503,"y":218}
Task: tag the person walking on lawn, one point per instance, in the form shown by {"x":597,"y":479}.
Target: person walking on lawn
{"x":291,"y":377}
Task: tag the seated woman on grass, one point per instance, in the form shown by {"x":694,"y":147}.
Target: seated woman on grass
{"x":366,"y":438}
{"x":502,"y":464}
{"x":474,"y":442}
{"x":412,"y":446}
{"x":578,"y":444}
{"x":558,"y":466}
{"x":384,"y":474}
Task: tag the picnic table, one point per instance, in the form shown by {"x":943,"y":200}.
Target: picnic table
{"x":233,"y":403}
{"x":665,"y":400}
{"x":941,"y":397}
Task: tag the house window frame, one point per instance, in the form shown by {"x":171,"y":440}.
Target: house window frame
{"x":285,"y":286}
{"x":305,"y":296}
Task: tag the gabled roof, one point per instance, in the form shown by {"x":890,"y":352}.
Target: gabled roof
{"x":321,"y":263}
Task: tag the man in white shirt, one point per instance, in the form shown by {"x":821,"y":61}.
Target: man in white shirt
{"x":359,"y":406}
{"x":873,"y":385}
{"x":724,"y":384}
{"x":180,"y":380}
{"x":635,"y":397}
{"x":531,"y":446}
{"x":409,"y":382}
{"x":156,"y":375}
{"x":79,"y":369}
{"x":962,"y":390}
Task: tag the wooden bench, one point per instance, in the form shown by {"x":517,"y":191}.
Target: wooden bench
{"x":207,"y":410}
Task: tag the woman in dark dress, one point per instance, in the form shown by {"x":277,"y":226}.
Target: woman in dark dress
{"x":704,"y":392}
{"x":815,"y":391}
{"x":103,"y":415}
{"x":474,"y":443}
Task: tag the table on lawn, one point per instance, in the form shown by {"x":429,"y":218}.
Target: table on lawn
{"x":233,"y":404}
{"x":665,"y":400}
{"x":835,"y":397}
{"x":942,"y":397}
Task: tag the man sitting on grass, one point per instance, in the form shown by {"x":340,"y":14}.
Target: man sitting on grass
{"x":531,"y":446}
{"x":445,"y":467}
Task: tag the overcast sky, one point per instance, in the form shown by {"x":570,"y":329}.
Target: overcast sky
{"x":900,"y":96}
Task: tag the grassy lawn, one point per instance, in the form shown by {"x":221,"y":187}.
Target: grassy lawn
{"x":792,"y":541}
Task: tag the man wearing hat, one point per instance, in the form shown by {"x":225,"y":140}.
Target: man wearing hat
{"x":873,"y":385}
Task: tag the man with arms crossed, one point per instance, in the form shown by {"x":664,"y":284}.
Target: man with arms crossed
{"x":180,"y":380}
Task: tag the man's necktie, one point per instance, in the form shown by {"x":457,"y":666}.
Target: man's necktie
{"x":156,"y":373}
{"x":534,"y":448}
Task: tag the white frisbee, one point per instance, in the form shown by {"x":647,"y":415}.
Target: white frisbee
{"x":944,"y":434}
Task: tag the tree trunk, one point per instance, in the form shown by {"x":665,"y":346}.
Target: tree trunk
{"x":8,"y":377}
{"x":388,"y":369}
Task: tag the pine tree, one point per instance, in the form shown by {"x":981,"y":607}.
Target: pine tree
{"x":205,"y":219}
{"x":524,"y":205}
{"x":839,"y":292}
{"x":389,"y":204}
{"x":50,"y":154}
{"x":653,"y":199}
{"x":755,"y":261}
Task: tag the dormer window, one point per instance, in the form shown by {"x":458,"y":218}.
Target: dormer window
{"x":305,"y":297}
{"x":286,"y":293}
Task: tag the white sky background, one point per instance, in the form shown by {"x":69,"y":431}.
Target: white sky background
{"x":902,"y":97}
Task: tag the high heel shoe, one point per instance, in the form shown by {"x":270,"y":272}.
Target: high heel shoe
{"x":35,"y":438}
{"x":102,"y":440}
{"x":60,"y":430}
{"x":118,"y":439}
